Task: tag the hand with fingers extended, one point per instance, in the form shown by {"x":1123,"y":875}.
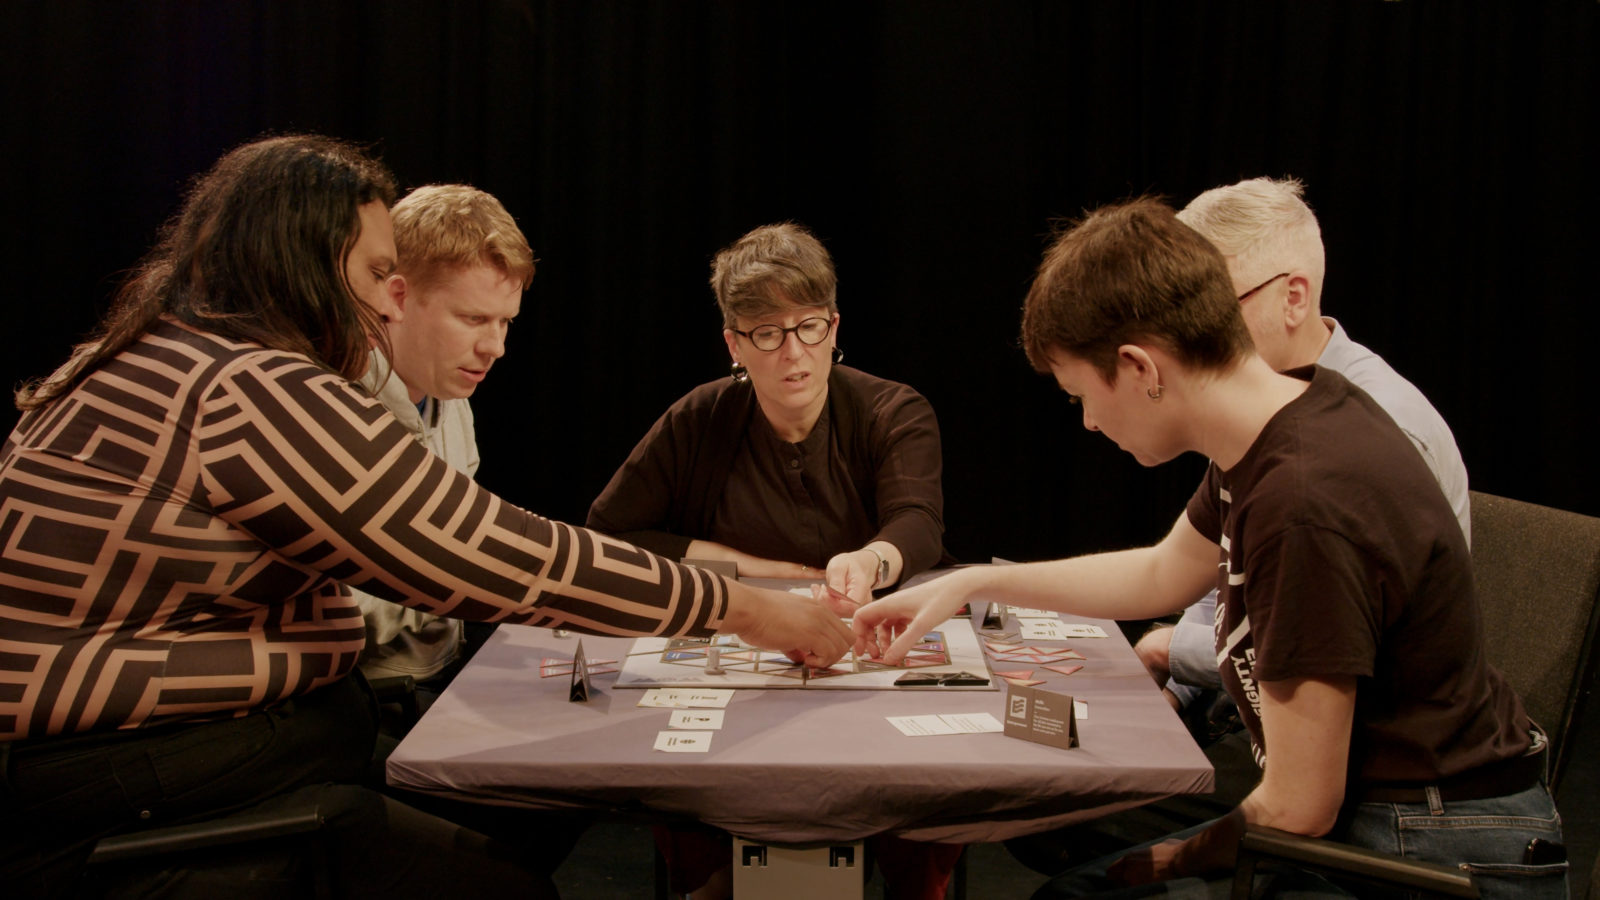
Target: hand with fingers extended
{"x":806,"y":630}
{"x":888,"y":628}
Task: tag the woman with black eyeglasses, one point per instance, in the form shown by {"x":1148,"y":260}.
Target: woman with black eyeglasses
{"x":792,"y":467}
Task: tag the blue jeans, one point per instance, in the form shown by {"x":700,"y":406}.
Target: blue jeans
{"x":1192,"y":656}
{"x":1485,"y":837}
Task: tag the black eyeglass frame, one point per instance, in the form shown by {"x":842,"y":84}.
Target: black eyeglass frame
{"x":783,"y":333}
{"x":1246,"y":295}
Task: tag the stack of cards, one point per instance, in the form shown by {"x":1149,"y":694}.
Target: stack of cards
{"x":697,"y":713}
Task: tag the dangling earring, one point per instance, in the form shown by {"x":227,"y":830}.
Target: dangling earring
{"x":838,"y":355}
{"x":739,"y":372}
{"x":1155,"y":392}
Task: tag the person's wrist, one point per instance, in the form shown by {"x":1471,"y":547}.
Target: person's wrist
{"x":974,"y":585}
{"x":743,"y":608}
{"x":879,"y":567}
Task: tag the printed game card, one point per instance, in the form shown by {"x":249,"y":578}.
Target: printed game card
{"x":683,"y":741}
{"x":949,"y":723}
{"x":710,"y":719}
{"x":1041,"y":716}
{"x":921,"y":726}
{"x":972,"y":723}
{"x":687,"y":698}
{"x":1044,"y":630}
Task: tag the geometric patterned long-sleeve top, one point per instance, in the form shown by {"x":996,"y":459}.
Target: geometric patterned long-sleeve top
{"x":176,"y":533}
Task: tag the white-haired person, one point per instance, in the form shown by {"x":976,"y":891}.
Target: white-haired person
{"x":1348,"y":632}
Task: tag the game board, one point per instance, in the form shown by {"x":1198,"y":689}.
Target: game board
{"x":950,"y":650}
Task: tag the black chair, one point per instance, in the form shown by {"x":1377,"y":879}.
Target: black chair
{"x":1538,"y":575}
{"x":295,"y":827}
{"x":291,"y":830}
{"x":1261,"y":844}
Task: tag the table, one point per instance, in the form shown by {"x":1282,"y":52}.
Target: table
{"x":797,"y":766}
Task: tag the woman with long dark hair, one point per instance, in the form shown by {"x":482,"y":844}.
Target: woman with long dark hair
{"x":187,"y":499}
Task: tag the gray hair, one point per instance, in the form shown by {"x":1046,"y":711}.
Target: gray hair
{"x":1264,"y":227}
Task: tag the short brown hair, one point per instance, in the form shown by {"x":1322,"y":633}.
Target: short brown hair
{"x":1130,"y":273}
{"x":772,"y":268}
{"x":455,"y":226}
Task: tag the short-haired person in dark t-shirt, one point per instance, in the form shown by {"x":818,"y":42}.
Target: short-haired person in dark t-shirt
{"x":1347,"y":629}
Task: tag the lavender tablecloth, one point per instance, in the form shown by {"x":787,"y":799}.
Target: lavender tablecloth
{"x":798,"y":766}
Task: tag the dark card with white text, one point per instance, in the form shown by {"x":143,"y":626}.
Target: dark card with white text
{"x":1044,"y":717}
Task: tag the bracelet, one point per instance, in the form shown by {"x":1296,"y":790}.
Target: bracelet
{"x":881,"y":573}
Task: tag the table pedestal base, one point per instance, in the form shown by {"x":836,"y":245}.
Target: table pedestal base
{"x":798,"y":871}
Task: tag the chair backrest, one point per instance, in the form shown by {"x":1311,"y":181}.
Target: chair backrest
{"x":1538,"y":574}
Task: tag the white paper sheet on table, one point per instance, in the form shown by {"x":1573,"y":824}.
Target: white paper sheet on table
{"x":949,"y":723}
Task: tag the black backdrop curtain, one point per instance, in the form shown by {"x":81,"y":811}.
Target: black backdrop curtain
{"x":1447,"y":147}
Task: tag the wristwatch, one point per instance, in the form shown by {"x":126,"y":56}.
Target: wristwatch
{"x":881,"y":576}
